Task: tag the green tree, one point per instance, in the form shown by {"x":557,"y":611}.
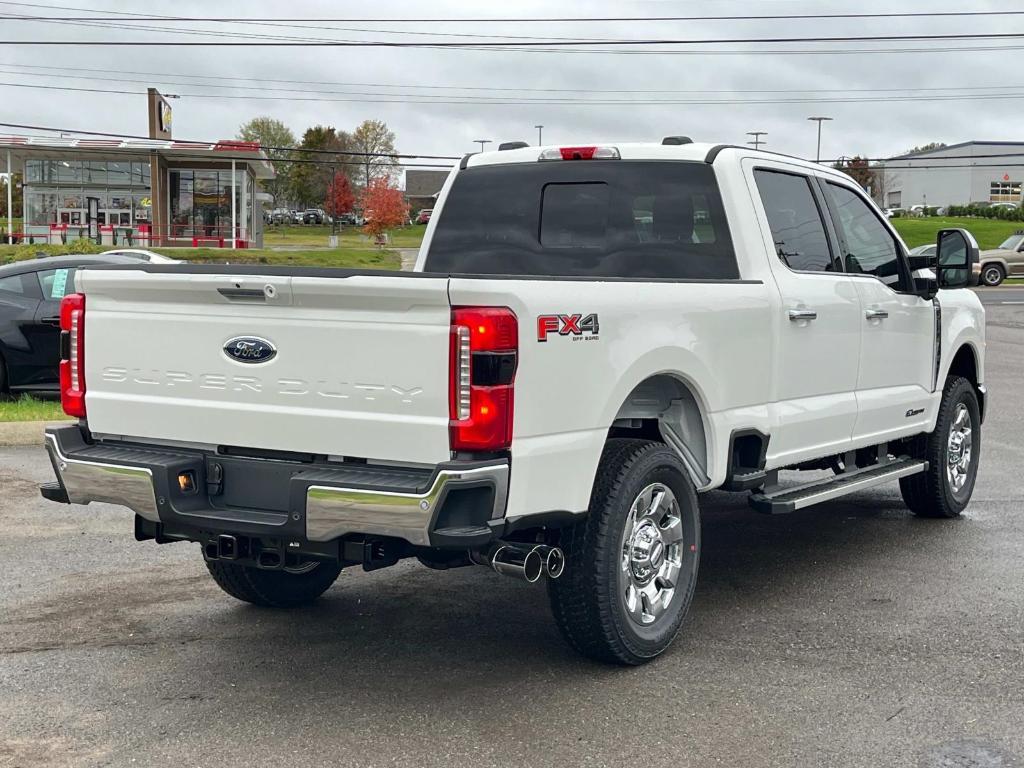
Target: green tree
{"x":277,"y":140}
{"x":310,"y":178}
{"x":377,"y":141}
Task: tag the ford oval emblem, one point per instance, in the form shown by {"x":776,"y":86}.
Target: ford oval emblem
{"x":250,"y":349}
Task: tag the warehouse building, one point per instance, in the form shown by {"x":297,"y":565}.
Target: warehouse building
{"x":958,"y":174}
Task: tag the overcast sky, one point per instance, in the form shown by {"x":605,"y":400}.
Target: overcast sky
{"x":876,"y":129}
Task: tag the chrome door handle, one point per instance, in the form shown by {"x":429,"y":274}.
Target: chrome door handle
{"x":802,"y":314}
{"x":876,"y":314}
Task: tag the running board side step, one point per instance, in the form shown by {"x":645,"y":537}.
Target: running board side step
{"x":782,"y":500}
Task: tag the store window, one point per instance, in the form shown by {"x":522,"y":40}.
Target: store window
{"x":1004,"y":192}
{"x":58,"y":190}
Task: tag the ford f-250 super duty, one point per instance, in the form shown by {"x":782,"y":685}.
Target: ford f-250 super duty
{"x":593,"y":336}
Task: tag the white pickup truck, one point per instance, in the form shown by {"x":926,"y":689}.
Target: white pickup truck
{"x":593,"y":337}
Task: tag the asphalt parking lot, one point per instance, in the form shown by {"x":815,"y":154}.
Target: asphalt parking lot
{"x":850,"y":634}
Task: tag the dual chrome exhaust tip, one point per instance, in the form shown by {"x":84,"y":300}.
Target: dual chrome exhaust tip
{"x":527,"y":562}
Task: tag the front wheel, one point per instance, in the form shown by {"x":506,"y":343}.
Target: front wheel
{"x":632,"y":563}
{"x":952,"y":451}
{"x":992,"y":275}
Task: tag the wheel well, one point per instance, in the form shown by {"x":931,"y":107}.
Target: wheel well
{"x":666,"y":409}
{"x":964,"y":364}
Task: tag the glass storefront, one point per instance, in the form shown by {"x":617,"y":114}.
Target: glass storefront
{"x":58,"y":192}
{"x":201,"y":203}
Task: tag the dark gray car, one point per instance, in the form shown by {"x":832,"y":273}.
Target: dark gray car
{"x":30,"y":295}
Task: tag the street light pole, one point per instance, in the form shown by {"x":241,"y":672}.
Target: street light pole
{"x":540,"y":133}
{"x":481,"y":142}
{"x":819,"y":121}
{"x":758,"y":141}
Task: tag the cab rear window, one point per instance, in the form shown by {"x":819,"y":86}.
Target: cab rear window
{"x":587,"y":218}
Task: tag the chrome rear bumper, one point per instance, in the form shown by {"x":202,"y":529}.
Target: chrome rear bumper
{"x":85,"y":481}
{"x":298,"y":501}
{"x":332,"y":512}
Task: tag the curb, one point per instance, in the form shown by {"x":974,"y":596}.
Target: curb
{"x":23,"y":432}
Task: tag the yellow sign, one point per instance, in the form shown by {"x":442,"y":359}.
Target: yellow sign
{"x":165,"y":116}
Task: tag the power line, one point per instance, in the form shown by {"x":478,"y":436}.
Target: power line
{"x":515,"y":46}
{"x":127,"y":16}
{"x":506,"y":101}
{"x":304,"y":150}
{"x":263,"y":88}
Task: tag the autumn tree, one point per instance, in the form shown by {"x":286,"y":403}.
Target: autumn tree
{"x":384,"y":207}
{"x":277,"y":141}
{"x":340,"y":197}
{"x":311,"y":177}
{"x":376,"y":141}
{"x":859,"y":169}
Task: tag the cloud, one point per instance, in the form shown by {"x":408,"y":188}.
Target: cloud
{"x":876,"y":129}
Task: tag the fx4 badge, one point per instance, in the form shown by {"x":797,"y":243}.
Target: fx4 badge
{"x":580,"y":327}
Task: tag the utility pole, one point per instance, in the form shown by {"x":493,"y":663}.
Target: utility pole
{"x":758,"y":141}
{"x":540,"y":133}
{"x":819,"y":121}
{"x":481,"y":142}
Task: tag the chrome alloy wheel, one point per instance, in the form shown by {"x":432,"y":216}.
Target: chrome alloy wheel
{"x":652,"y":554}
{"x":959,"y":449}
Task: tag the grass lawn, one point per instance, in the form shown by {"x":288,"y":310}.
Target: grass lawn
{"x":988,"y":232}
{"x":350,"y":237}
{"x":349,"y":258}
{"x":27,"y":408}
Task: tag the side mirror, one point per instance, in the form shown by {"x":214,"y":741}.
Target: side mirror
{"x":956,"y":252}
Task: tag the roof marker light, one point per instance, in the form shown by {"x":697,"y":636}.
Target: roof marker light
{"x":580,"y":153}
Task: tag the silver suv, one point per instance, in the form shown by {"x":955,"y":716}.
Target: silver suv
{"x":1007,"y":260}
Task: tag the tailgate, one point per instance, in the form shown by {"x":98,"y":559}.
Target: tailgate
{"x":360,"y":369}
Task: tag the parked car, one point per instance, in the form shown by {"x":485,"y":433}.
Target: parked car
{"x":347,"y":419}
{"x":30,"y":296}
{"x":996,"y":264}
{"x":923,"y":250}
{"x":424,"y":216}
{"x":350,"y":218}
{"x":314,"y":216}
{"x":143,"y":255}
{"x":281,"y":216}
{"x":1011,"y":206}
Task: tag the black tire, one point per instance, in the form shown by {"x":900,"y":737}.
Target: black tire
{"x":931,"y":493}
{"x":589,"y":601}
{"x":992,"y":275}
{"x":273,"y":589}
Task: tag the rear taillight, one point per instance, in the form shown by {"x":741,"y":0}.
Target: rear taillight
{"x":72,"y":354}
{"x":484,"y":346}
{"x":580,"y":153}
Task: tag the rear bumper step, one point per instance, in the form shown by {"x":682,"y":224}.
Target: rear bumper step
{"x":783,"y":500}
{"x":289,"y":500}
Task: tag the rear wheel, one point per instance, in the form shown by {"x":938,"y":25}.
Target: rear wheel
{"x":992,"y":275}
{"x":952,"y":453}
{"x":632,"y":563}
{"x":274,"y":589}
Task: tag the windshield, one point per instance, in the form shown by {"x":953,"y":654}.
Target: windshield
{"x":608,"y":218}
{"x":1011,"y":243}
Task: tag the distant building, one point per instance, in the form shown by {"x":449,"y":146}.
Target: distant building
{"x":139,"y":192}
{"x":969,"y":172}
{"x":422,"y":187}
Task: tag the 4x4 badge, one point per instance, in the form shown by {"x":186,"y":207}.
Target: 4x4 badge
{"x":576,"y":326}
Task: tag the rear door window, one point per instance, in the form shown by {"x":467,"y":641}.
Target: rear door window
{"x":795,"y":221}
{"x":601,"y":218}
{"x":56,"y":283}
